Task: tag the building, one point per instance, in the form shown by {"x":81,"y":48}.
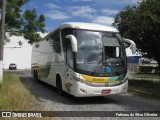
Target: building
{"x":137,"y":63}
{"x":18,"y":54}
{"x":133,"y":63}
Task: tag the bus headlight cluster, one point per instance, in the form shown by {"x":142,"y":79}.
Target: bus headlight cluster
{"x":88,"y":83}
{"x":81,"y":80}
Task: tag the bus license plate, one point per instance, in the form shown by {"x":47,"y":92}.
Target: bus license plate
{"x":106,"y":91}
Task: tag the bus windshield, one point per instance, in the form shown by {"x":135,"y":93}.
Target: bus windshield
{"x":99,"y":52}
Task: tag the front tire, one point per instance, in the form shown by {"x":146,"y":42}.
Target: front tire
{"x":59,"y":86}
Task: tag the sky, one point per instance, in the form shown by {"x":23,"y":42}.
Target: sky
{"x":93,"y":11}
{"x":60,"y":11}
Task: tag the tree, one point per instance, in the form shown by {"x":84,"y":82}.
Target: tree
{"x":21,"y":22}
{"x":141,"y":24}
{"x":2,"y":28}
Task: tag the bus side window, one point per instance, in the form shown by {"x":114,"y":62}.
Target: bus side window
{"x":69,"y":53}
{"x":55,"y":42}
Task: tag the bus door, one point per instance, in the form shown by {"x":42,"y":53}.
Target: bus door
{"x":69,"y":67}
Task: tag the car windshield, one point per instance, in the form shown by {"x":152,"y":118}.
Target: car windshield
{"x":99,"y":50}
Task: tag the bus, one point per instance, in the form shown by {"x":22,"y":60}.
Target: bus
{"x":82,"y":59}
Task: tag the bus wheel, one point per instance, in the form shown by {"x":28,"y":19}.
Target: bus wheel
{"x":59,"y":86}
{"x":36,"y":76}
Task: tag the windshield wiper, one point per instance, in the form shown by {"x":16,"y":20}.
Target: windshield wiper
{"x":98,"y":64}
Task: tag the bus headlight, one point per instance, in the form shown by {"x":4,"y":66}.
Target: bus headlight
{"x":81,"y":80}
{"x":76,"y":78}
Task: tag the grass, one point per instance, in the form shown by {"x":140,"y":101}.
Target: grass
{"x":146,"y":87}
{"x":15,"y":97}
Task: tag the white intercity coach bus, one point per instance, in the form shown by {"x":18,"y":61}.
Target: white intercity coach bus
{"x":82,"y":59}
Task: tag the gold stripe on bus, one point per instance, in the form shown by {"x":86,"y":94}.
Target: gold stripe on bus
{"x":95,"y":79}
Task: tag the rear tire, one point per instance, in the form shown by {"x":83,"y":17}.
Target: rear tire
{"x":36,"y":76}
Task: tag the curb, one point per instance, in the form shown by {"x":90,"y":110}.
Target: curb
{"x":139,"y":92}
{"x":149,"y":79}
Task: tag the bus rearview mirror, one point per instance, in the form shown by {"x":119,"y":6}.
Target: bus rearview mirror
{"x":73,"y":42}
{"x":133,"y":45}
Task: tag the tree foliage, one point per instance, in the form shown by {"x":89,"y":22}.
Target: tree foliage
{"x":141,"y":23}
{"x":21,"y":22}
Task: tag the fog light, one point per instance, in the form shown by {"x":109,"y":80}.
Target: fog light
{"x":84,"y":91}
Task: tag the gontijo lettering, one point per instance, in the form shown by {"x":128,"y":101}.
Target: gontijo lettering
{"x":95,"y":79}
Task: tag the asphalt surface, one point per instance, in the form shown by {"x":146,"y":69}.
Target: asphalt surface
{"x":48,"y":97}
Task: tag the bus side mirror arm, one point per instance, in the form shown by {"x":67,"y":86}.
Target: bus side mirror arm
{"x":133,"y":45}
{"x":73,"y":42}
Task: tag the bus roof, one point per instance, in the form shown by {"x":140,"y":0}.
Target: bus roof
{"x":88,"y":26}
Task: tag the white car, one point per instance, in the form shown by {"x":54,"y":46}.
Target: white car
{"x":12,"y":66}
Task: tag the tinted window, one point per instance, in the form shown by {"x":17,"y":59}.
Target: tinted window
{"x":64,"y":32}
{"x":55,"y":41}
{"x":98,"y":50}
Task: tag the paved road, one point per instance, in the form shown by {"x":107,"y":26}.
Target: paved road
{"x":49,"y":98}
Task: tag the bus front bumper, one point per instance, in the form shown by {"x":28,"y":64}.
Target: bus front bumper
{"x":83,"y":90}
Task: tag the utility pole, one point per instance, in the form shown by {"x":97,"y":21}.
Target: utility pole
{"x":2,"y":30}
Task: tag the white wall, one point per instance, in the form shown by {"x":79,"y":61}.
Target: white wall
{"x":20,"y":55}
{"x":14,"y":53}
